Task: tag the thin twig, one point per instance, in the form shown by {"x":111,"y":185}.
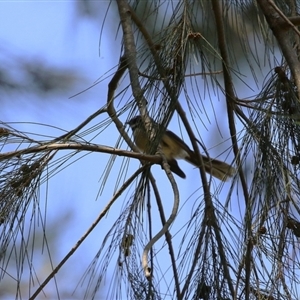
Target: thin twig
{"x":167,"y":224}
{"x":112,"y":86}
{"x":71,"y":133}
{"x":167,"y":234}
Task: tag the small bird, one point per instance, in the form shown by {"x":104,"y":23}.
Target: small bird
{"x":173,"y":147}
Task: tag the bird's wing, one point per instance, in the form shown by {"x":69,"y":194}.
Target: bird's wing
{"x":182,"y":146}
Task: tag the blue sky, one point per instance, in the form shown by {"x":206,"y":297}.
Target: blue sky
{"x":50,"y":33}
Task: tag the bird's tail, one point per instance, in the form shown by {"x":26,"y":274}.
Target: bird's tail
{"x":175,"y":168}
{"x":215,"y":167}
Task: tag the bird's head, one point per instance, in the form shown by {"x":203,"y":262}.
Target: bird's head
{"x":134,"y":122}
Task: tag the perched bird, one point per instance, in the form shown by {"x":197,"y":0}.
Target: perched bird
{"x":173,"y":147}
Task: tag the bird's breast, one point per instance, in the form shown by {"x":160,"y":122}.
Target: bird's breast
{"x":141,"y":139}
